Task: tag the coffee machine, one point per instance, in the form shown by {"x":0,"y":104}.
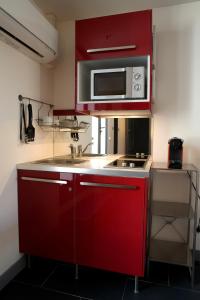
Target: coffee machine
{"x":175,"y":153}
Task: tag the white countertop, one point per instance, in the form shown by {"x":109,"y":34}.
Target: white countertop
{"x":90,"y":165}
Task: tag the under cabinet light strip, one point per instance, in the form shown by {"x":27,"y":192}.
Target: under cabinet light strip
{"x":44,"y":180}
{"x":111,"y":49}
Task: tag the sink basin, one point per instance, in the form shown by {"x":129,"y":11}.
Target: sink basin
{"x":60,"y":161}
{"x":92,"y":155}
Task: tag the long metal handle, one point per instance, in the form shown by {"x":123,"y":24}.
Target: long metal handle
{"x":44,"y":180}
{"x":111,"y":49}
{"x":109,"y":185}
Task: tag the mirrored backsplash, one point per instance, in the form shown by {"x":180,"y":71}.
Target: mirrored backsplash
{"x":108,"y":136}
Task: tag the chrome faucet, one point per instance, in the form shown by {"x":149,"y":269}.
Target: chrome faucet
{"x":87,"y":147}
{"x":73,"y":151}
{"x":81,"y":151}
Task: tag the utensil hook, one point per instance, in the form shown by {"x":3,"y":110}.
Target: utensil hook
{"x":50,"y":108}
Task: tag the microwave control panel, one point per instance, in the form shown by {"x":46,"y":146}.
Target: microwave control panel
{"x":138,"y":84}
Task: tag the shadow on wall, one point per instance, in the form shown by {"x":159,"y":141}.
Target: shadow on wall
{"x":9,"y":244}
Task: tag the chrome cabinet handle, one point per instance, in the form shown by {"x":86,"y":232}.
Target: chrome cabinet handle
{"x":109,"y":185}
{"x":44,"y":180}
{"x":111,"y":49}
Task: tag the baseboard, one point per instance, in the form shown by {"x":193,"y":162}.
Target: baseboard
{"x":6,"y":277}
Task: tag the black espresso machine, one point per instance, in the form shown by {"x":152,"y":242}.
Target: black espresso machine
{"x":175,"y":153}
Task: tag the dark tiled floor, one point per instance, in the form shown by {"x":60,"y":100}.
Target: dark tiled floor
{"x":53,"y":280}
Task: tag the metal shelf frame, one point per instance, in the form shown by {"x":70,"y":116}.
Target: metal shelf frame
{"x":166,"y":251}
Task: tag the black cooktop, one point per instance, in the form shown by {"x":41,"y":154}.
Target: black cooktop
{"x":121,"y":163}
{"x":135,"y":156}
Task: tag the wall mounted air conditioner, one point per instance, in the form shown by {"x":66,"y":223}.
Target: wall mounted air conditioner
{"x":24,"y":27}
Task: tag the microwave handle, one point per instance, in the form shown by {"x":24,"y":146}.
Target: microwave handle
{"x":111,"y":49}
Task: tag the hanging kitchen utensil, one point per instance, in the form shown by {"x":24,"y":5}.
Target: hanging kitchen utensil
{"x":75,"y":135}
{"x":23,"y":129}
{"x":21,"y":122}
{"x":30,"y":128}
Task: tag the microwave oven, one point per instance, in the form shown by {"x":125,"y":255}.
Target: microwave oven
{"x":118,"y":83}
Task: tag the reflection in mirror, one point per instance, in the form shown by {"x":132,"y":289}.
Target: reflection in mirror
{"x":108,"y":135}
{"x":121,"y":135}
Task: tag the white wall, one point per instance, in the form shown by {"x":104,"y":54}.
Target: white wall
{"x":18,"y":75}
{"x":64,"y":84}
{"x":177,"y":106}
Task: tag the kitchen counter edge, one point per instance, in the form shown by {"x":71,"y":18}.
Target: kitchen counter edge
{"x":78,"y":169}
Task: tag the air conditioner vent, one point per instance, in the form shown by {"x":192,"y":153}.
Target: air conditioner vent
{"x":7,"y":33}
{"x":23,"y":27}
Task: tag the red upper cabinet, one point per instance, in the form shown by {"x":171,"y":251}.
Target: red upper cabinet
{"x":123,"y":30}
{"x":114,"y":63}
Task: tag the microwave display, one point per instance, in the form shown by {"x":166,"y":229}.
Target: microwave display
{"x":106,"y":84}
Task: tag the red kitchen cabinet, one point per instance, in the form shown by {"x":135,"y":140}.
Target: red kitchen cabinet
{"x":109,"y":42}
{"x":121,"y":30}
{"x":111,"y":223}
{"x":46,"y":214}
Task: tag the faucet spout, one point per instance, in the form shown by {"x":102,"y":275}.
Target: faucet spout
{"x":87,"y":147}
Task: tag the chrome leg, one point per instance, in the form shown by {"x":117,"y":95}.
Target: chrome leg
{"x":194,"y":230}
{"x":76,"y":272}
{"x":136,"y":291}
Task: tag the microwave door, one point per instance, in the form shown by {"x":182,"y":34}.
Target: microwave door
{"x":108,"y":84}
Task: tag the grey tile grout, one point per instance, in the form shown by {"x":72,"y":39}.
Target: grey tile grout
{"x":125,"y":286}
{"x":64,"y":293}
{"x":47,"y":278}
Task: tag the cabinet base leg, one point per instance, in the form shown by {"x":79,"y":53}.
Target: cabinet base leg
{"x":76,"y":272}
{"x":136,"y":291}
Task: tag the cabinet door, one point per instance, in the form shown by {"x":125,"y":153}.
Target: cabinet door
{"x":46,"y":214}
{"x":111,"y":223}
{"x":129,"y":29}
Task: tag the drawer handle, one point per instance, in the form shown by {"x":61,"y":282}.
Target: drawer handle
{"x":109,"y":185}
{"x":44,"y":180}
{"x":111,"y":49}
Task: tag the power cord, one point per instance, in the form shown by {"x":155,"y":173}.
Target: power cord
{"x":198,"y":226}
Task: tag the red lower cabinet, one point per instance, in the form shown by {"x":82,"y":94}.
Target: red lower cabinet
{"x":46,"y":214}
{"x":111,"y":223}
{"x":97,"y":221}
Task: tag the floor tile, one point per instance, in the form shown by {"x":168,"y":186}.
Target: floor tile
{"x":158,"y":273}
{"x":21,"y":291}
{"x":156,"y":292}
{"x":92,"y":283}
{"x":197,"y":276}
{"x":38,"y":273}
{"x":179,"y":276}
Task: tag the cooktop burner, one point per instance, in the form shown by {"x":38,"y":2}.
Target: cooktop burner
{"x":135,"y":156}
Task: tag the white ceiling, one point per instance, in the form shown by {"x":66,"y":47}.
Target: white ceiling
{"x":81,"y":9}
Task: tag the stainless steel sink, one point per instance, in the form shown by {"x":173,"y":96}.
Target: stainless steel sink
{"x":60,"y":161}
{"x":92,"y":155}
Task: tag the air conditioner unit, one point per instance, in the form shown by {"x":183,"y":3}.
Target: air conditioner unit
{"x":24,"y":27}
